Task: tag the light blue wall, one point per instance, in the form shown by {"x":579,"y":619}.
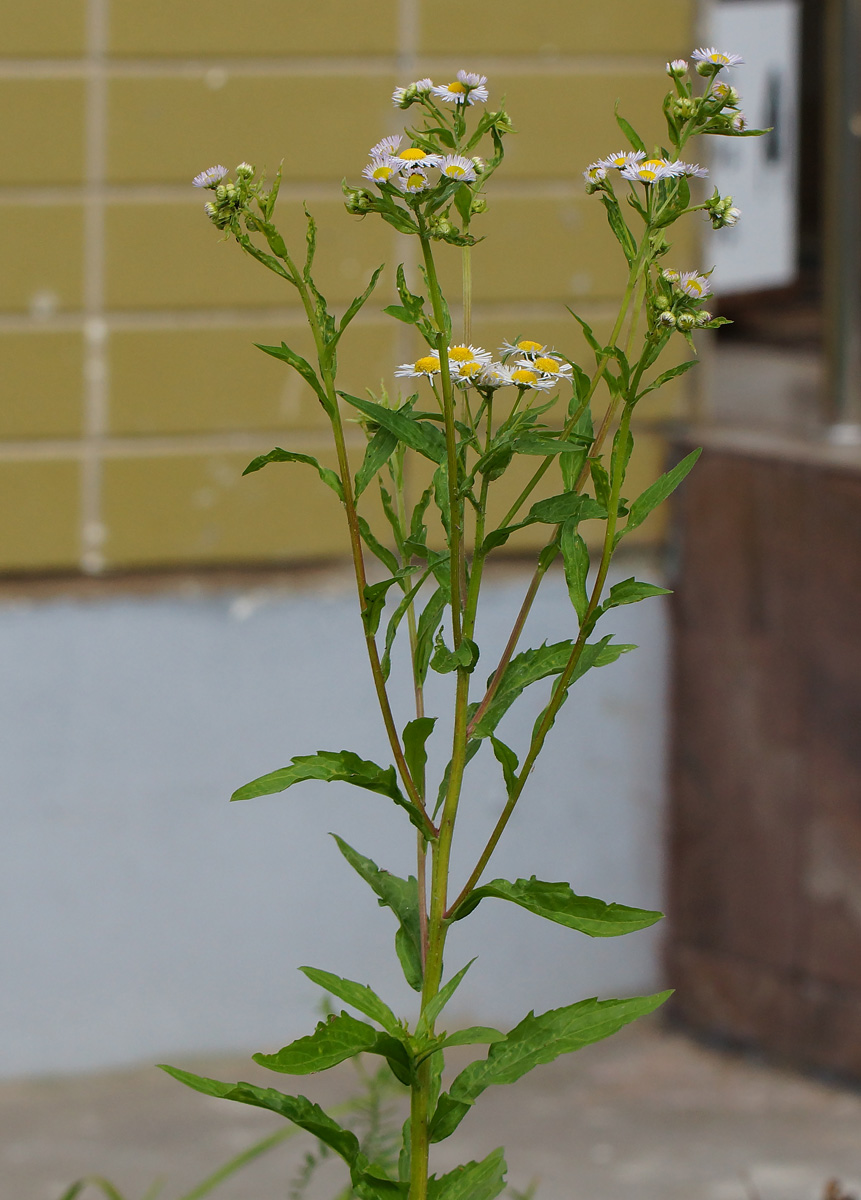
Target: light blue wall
{"x":144,"y":915}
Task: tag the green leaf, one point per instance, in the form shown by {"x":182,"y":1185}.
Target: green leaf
{"x":587,"y":332}
{"x":673,"y":372}
{"x":398,"y":220}
{"x":429,"y":623}
{"x":304,"y":368}
{"x":379,"y":451}
{"x":297,"y":1109}
{"x":630,"y":133}
{"x":474,"y":1181}
{"x":556,"y":902}
{"x":556,"y":509}
{"x":475,"y":1035}
{"x":546,"y":445}
{"x":92,"y":1181}
{"x":575,"y":555}
{"x":434,"y":1007}
{"x":629,"y":591}
{"x":383,"y":553}
{"x":509,"y":762}
{"x":401,"y":896}
{"x":524,"y":669}
{"x":534,"y":1041}
{"x":621,"y":231}
{"x":658,"y":492}
{"x":445,"y":661}
{"x":278,"y":455}
{"x":374,"y":595}
{"x":418,"y":435}
{"x":328,"y":766}
{"x":463,"y":202}
{"x":358,"y":995}
{"x":359,"y":301}
{"x":415,"y":736}
{"x":333,"y":1041}
{"x":600,"y":481}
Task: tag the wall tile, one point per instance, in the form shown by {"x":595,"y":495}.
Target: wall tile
{"x":42,"y":376}
{"x":557,"y":27}
{"x":39,"y":525}
{"x":171,"y":256}
{"x":198,"y":380}
{"x":44,"y":28}
{"x":170,"y":129}
{"x":265,"y":27}
{"x":199,"y":509}
{"x":44,"y":143}
{"x":41,"y":256}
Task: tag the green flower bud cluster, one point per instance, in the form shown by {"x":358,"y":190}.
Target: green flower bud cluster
{"x":232,"y":199}
{"x":721,"y":212}
{"x":678,"y":300}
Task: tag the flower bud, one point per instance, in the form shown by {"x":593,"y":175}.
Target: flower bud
{"x":739,"y":122}
{"x":245,"y":170}
{"x":479,"y":205}
{"x":668,"y":319}
{"x":662,"y":303}
{"x":686,"y":321}
{"x":703,"y":318}
{"x":708,"y":69}
{"x":684,"y":107}
{"x":221,"y":192}
{"x":677,"y":68}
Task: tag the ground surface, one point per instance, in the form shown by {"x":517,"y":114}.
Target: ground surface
{"x":646,"y":1115}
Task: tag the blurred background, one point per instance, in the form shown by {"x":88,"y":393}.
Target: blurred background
{"x":170,"y":630}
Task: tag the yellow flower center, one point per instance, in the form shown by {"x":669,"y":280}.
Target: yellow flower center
{"x":529,"y":347}
{"x":428,"y":363}
{"x":719,"y":58}
{"x":620,"y":161}
{"x":454,"y":171}
{"x":458,"y":87}
{"x":548,"y":365}
{"x":416,"y":182}
{"x":524,"y":377}
{"x":382,"y":172}
{"x":414,"y":154}
{"x":460,"y":354}
{"x":651,"y":164}
{"x":694,"y":287}
{"x":469,"y":369}
{"x":647,"y":176}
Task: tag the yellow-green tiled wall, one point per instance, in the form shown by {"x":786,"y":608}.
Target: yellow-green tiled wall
{"x":131,"y":394}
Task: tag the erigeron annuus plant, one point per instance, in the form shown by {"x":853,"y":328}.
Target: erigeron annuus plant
{"x":469,"y":418}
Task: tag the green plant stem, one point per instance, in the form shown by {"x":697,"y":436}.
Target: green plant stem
{"x":345,"y":473}
{"x":561,"y":688}
{"x":466,"y":263}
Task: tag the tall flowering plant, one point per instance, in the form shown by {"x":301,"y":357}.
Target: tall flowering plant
{"x":471,"y":416}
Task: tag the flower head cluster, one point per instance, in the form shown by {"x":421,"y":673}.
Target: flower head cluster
{"x":678,"y":301}
{"x":467,"y":88}
{"x":635,"y":167}
{"x":231,"y":199}
{"x":536,"y":368}
{"x":407,"y":169}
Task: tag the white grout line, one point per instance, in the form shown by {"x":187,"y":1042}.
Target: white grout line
{"x":92,"y":531}
{"x":174,"y":445}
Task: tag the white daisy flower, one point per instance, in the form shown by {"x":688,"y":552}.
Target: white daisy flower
{"x":415,"y":156}
{"x":694,"y":285}
{"x":725,"y":92}
{"x":386,"y":147}
{"x":466,"y":89}
{"x":691,"y":170}
{"x":464,"y":354}
{"x":548,"y":365}
{"x":422,"y":87}
{"x":677,"y":68}
{"x":381,"y":170}
{"x":211,"y":177}
{"x":595,"y":172}
{"x":716,"y":58}
{"x":455,"y":166}
{"x":428,"y":365}
{"x":527,"y":377}
{"x":525,"y":348}
{"x":465,"y":374}
{"x":620,"y":160}
{"x":650,"y":171}
{"x":411,"y":180}
{"x":494,"y":375}
{"x":670,"y":275}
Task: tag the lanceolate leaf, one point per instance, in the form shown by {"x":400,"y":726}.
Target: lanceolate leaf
{"x":575,"y":555}
{"x":278,"y":455}
{"x":534,"y":1041}
{"x":402,"y":897}
{"x":435,"y":1006}
{"x":415,"y":736}
{"x":476,"y":1035}
{"x":658,"y":492}
{"x":630,"y":133}
{"x":332,"y":767}
{"x":333,"y":1041}
{"x":304,"y":368}
{"x":418,"y":435}
{"x":667,"y":376}
{"x":474,"y":1181}
{"x":297,"y":1109}
{"x":557,"y":902}
{"x":629,"y":591}
{"x":359,"y":995}
{"x":617,"y":223}
{"x":379,"y":451}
